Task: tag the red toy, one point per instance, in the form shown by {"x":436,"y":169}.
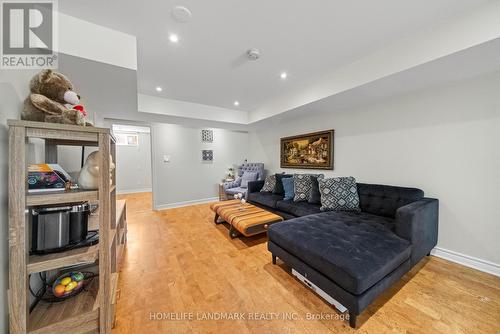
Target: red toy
{"x":81,"y":109}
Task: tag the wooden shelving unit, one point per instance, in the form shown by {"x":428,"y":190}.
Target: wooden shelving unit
{"x":64,"y":197}
{"x":39,"y":263}
{"x":76,"y":315}
{"x":91,"y":311}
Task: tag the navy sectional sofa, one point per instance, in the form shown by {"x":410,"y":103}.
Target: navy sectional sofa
{"x":353,"y":257}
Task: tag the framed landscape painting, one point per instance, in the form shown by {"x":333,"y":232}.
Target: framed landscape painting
{"x":312,"y":150}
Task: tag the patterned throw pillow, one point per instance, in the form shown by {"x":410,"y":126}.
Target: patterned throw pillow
{"x":269,"y":184}
{"x":339,"y":194}
{"x":302,"y":184}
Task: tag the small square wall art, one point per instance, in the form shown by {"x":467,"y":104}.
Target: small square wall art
{"x":207,"y":136}
{"x":207,"y":155}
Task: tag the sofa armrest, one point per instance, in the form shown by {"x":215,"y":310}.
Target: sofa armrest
{"x":417,"y":222}
{"x":255,"y":186}
{"x":232,"y":184}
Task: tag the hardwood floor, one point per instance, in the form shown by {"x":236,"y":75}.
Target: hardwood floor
{"x":178,"y":261}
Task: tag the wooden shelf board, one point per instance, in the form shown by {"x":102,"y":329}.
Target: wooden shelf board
{"x":63,"y":134}
{"x":39,"y":263}
{"x":61,"y":197}
{"x":76,"y":138}
{"x":72,"y":142}
{"x":77,"y":314}
{"x":56,"y":126}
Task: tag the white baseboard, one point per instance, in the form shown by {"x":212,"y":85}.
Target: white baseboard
{"x":133,"y":191}
{"x":185,"y":203}
{"x":468,"y":261}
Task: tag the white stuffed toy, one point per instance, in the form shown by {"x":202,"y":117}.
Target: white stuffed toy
{"x":89,"y":175}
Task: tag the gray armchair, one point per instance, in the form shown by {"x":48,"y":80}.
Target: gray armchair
{"x":234,"y":187}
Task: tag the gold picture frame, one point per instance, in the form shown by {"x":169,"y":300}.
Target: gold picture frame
{"x":308,"y":151}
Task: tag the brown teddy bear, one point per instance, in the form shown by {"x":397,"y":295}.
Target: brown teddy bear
{"x":53,"y":100}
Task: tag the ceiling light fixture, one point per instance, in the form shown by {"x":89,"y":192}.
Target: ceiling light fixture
{"x":181,"y":14}
{"x":253,"y":54}
{"x":283,"y":75}
{"x":236,"y":103}
{"x":159,"y":89}
{"x":173,"y":38}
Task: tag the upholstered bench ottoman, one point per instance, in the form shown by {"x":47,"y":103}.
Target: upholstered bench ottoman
{"x":244,"y":219}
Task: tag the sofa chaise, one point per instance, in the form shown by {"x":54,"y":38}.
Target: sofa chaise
{"x":353,"y":257}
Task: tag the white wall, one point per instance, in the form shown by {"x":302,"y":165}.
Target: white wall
{"x":91,"y":41}
{"x":134,"y":172}
{"x":186,"y":179}
{"x":445,"y":141}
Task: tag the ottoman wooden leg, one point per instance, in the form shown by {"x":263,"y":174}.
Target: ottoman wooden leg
{"x":216,"y":219}
{"x":274,"y":259}
{"x":233,"y":233}
{"x":352,"y":320}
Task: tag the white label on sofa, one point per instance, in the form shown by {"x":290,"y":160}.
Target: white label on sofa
{"x":320,"y":292}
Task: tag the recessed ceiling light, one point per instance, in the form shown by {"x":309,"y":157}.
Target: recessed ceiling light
{"x":236,"y":103}
{"x":159,"y":89}
{"x":173,"y":38}
{"x":283,"y":75}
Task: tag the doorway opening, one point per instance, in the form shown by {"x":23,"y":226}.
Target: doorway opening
{"x":133,"y":161}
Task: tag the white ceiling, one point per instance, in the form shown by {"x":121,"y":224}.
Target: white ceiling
{"x":304,"y":38}
{"x":467,"y":64}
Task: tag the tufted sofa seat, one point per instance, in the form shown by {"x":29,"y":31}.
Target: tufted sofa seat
{"x":266,"y":200}
{"x":298,"y":209}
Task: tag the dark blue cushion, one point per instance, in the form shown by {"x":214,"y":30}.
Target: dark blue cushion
{"x":298,"y":209}
{"x":266,"y":199}
{"x":384,"y":200}
{"x":355,"y":250}
{"x":315,"y":196}
{"x":288,"y":188}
